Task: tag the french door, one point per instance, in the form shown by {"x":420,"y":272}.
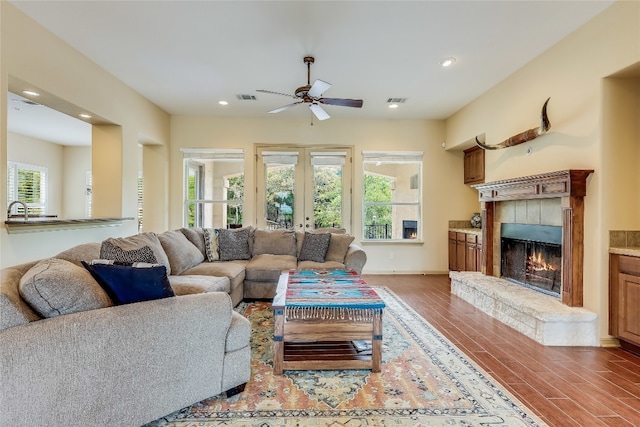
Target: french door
{"x":303,"y":188}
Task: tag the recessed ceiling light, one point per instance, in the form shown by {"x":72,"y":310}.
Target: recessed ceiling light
{"x":30,"y":93}
{"x":447,"y":62}
{"x":223,"y":103}
{"x":85,"y":116}
{"x":393,"y":105}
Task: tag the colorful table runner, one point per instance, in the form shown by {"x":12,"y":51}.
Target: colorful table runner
{"x":330,"y":294}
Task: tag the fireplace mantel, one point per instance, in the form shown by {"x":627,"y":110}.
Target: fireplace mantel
{"x":568,"y":185}
{"x":572,"y":183}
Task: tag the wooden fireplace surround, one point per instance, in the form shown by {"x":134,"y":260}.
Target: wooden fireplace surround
{"x":571,"y":187}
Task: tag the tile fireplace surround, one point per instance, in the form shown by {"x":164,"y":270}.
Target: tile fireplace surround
{"x":549,"y":199}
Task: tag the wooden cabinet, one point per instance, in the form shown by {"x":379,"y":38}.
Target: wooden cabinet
{"x":624,"y":300}
{"x":473,"y":251}
{"x":465,"y":250}
{"x":474,"y":165}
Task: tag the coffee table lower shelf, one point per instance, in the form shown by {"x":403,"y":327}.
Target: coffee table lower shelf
{"x":323,"y":344}
{"x":325,"y":355}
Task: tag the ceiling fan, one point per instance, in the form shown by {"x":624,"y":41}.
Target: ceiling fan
{"x":312,"y":95}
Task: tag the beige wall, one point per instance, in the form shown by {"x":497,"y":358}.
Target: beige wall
{"x":444,"y":194}
{"x":31,"y":54}
{"x":77,"y":162}
{"x":587,"y":131}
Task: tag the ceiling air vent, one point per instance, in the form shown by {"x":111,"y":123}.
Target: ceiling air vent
{"x":243,"y":97}
{"x":396,"y":100}
{"x":25,"y":101}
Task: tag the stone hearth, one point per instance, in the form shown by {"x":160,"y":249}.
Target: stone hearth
{"x":540,"y":317}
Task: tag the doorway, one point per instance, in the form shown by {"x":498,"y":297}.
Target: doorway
{"x":303,"y":188}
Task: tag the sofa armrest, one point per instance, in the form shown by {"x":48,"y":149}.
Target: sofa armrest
{"x":98,"y":366}
{"x":355,"y":259}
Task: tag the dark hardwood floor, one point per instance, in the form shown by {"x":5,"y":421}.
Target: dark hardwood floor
{"x":565,"y":386}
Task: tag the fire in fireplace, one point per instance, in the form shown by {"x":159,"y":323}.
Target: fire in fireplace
{"x":531,"y":255}
{"x":409,"y":229}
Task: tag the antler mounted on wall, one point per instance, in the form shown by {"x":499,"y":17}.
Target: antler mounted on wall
{"x":525,"y":136}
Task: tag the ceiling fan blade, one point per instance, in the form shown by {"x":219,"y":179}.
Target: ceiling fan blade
{"x":357,"y":103}
{"x":285,"y":107}
{"x":319,"y":112}
{"x":318,"y":88}
{"x":275,"y":93}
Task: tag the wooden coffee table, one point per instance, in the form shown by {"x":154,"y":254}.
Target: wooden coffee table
{"x":318,"y":316}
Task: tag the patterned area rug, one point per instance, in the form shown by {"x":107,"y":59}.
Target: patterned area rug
{"x":425,"y":381}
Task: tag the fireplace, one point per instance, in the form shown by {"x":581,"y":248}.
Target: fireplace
{"x":531,"y":256}
{"x":409,"y":229}
{"x":569,"y":187}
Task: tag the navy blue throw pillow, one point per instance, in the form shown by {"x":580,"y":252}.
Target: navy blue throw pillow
{"x":127,"y":284}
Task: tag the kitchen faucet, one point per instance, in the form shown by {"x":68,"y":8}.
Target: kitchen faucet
{"x":24,"y":205}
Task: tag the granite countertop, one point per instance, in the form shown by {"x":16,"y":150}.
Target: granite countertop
{"x":626,"y":250}
{"x":477,"y":231}
{"x":57,"y":221}
{"x":38,"y":224}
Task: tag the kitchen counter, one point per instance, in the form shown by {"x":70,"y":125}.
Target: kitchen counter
{"x":476,"y":231}
{"x":629,"y":251}
{"x":35,"y":224}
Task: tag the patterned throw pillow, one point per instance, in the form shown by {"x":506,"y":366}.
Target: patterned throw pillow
{"x":211,"y":244}
{"x":108,"y":250}
{"x":233,"y":244}
{"x":314,"y":247}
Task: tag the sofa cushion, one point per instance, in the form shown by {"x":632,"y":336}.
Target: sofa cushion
{"x":109,"y":251}
{"x":314,"y":247}
{"x":234,"y":244}
{"x":184,"y":285}
{"x":327,"y":265}
{"x":331,"y":230}
{"x":128,"y":284}
{"x":182,"y":254}
{"x":338,"y":247}
{"x":82,"y":252}
{"x":54,"y":287}
{"x":211,"y":244}
{"x":275,"y":242}
{"x":267,"y":267}
{"x":143,"y":239}
{"x":14,"y":310}
{"x":196,"y":236}
{"x":230,"y":269}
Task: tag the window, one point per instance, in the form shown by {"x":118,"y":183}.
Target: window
{"x":213,"y":188}
{"x":392,"y":195}
{"x":27,"y":183}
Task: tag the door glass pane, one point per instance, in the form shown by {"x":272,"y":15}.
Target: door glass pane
{"x":279,"y":195}
{"x":327,"y":196}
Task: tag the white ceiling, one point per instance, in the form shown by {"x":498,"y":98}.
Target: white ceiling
{"x":185,"y":56}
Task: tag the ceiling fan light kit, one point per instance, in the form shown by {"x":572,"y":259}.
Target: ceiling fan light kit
{"x":311,"y":94}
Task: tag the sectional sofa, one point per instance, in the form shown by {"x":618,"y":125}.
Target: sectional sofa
{"x":71,"y":356}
